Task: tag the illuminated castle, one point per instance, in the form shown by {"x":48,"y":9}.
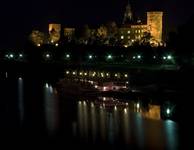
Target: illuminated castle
{"x":129,"y":32}
{"x":132,"y":30}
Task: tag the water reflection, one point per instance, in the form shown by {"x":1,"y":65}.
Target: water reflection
{"x":51,"y":108}
{"x":121,"y":123}
{"x":171,"y":133}
{"x":21,"y":99}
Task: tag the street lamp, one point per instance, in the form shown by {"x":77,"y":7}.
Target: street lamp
{"x":11,"y":55}
{"x":109,"y":57}
{"x":67,"y":56}
{"x":169,"y":57}
{"x":90,"y":56}
{"x":20,"y":55}
{"x":138,"y":56}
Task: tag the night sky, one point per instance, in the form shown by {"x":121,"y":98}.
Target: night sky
{"x":18,"y":18}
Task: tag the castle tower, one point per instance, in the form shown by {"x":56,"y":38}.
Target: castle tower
{"x":154,"y":22}
{"x":128,"y":16}
{"x":54,"y":32}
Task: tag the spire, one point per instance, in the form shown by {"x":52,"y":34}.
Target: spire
{"x":128,"y":16}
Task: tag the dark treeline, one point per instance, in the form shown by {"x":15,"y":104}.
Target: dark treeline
{"x":182,"y":43}
{"x":81,"y":54}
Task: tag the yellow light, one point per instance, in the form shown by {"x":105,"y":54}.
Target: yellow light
{"x":85,"y":74}
{"x":56,"y":44}
{"x":107,"y":74}
{"x":138,"y":105}
{"x":116,"y":75}
{"x":126,"y":75}
{"x":73,"y":73}
{"x":38,"y":45}
{"x":102,"y":74}
{"x":92,"y":104}
{"x":80,"y":73}
{"x":125,"y":110}
{"x":67,"y":72}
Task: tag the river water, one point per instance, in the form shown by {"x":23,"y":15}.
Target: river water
{"x":33,"y":112}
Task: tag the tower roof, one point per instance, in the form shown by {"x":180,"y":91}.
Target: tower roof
{"x":128,"y":16}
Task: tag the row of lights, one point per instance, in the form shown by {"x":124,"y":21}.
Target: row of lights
{"x":102,"y":74}
{"x":90,"y":57}
{"x":110,"y":57}
{"x":11,"y":56}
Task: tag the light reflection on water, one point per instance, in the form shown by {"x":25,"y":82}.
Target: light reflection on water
{"x":122,"y":124}
{"x":21,"y":99}
{"x":109,"y":121}
{"x":51,"y":108}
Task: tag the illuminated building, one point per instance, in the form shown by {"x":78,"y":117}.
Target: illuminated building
{"x":134,"y":30}
{"x":69,"y":33}
{"x":54,"y":32}
{"x":154,"y":22}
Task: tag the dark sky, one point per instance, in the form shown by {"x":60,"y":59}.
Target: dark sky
{"x":18,"y":17}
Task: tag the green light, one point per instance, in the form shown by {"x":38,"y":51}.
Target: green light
{"x":109,"y":57}
{"x":168,"y":111}
{"x":20,"y":55}
{"x":139,"y":56}
{"x":90,"y":56}
{"x":11,"y":55}
{"x":67,"y":56}
{"x":169,"y":57}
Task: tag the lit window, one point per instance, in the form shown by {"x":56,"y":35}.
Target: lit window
{"x":128,"y":37}
{"x":128,"y":31}
{"x":122,"y":37}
